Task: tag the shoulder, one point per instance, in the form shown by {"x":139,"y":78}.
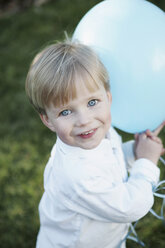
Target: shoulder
{"x":114,"y":133}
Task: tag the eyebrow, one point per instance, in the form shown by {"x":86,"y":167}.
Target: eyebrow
{"x":93,"y":95}
{"x":97,"y":94}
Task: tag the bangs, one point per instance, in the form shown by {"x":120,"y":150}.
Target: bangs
{"x":67,"y":89}
{"x":59,"y":70}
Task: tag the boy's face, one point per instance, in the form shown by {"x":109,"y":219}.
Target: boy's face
{"x":84,"y":121}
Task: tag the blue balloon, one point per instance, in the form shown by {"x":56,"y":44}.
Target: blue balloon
{"x":129,"y":37}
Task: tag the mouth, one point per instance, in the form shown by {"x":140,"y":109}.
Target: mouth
{"x":88,"y":134}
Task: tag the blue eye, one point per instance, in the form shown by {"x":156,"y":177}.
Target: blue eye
{"x":66,"y":112}
{"x":92,"y":102}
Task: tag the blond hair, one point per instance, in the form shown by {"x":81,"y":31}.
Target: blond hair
{"x":54,"y":73}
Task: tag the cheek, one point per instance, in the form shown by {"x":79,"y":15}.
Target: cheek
{"x":63,"y":131}
{"x":109,"y":119}
{"x":62,"y":134}
{"x":107,"y":114}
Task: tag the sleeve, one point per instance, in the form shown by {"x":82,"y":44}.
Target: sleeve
{"x":128,"y":150}
{"x":49,"y":164}
{"x":99,"y":198}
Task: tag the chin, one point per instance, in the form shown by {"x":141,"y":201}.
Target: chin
{"x":90,"y":146}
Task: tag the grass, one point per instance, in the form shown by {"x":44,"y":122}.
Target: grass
{"x":25,"y":143}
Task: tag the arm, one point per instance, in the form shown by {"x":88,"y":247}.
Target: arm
{"x":100,"y":198}
{"x":130,"y":148}
{"x":129,"y":155}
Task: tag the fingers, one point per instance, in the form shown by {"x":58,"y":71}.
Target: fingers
{"x":156,"y":139}
{"x":149,"y":133}
{"x":152,"y":136}
{"x":159,"y":128}
{"x":163,"y":152}
{"x":136,"y":136}
{"x":153,"y":133}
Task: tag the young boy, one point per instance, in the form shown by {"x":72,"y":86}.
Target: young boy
{"x":89,"y":201}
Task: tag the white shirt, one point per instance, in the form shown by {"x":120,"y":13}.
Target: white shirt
{"x":89,"y":200}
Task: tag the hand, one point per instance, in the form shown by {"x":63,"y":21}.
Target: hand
{"x":149,"y":145}
{"x":154,"y":135}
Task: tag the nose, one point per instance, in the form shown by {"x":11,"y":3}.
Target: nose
{"x":83,"y":118}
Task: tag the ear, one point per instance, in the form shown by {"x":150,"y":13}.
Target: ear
{"x":47,"y":122}
{"x":109,"y":95}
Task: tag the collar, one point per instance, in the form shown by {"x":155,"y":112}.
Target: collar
{"x":109,"y":140}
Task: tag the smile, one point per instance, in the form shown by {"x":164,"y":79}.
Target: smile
{"x":88,"y":134}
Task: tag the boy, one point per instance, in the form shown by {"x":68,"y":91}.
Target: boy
{"x":89,"y":200}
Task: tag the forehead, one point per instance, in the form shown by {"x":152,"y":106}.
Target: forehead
{"x":84,"y":80}
{"x":84,"y":95}
{"x":77,"y":83}
{"x":85,"y":90}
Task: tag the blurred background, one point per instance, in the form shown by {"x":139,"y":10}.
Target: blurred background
{"x":25,"y":144}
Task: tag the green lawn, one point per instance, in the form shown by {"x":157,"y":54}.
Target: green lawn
{"x":25,"y":143}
